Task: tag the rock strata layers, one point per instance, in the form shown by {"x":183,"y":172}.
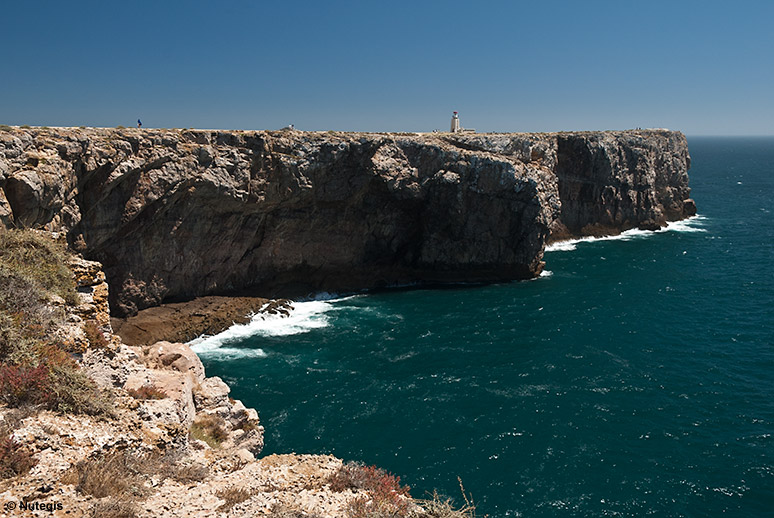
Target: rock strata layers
{"x":179,"y":214}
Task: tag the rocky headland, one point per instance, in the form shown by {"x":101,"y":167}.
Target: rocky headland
{"x":195,"y":228}
{"x":177,"y":214}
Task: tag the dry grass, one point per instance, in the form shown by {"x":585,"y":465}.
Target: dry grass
{"x":172,"y":464}
{"x":438,"y":506}
{"x":147,"y":392}
{"x":74,"y":392}
{"x":116,"y":475}
{"x":210,"y":429}
{"x":95,"y":336}
{"x":38,"y":257}
{"x":190,"y":473}
{"x":34,"y":370}
{"x":232,"y":496}
{"x":285,"y":511}
{"x":114,"y":508}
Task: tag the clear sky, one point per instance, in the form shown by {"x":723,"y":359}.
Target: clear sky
{"x":703,"y":67}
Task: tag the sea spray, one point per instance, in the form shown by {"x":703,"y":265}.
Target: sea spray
{"x":303,"y":317}
{"x":692,"y":224}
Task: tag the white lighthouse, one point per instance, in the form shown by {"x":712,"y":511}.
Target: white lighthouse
{"x":455,"y":123}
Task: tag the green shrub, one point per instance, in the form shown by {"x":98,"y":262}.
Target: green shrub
{"x":210,"y":429}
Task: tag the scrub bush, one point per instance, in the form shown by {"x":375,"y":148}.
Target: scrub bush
{"x":210,"y":429}
{"x":95,"y":336}
{"x":33,"y":369}
{"x":20,"y":385}
{"x":231,"y":496}
{"x":15,"y":459}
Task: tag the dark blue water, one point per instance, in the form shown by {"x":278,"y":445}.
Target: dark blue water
{"x":637,"y":379}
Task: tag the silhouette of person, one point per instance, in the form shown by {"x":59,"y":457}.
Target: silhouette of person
{"x":139,"y":123}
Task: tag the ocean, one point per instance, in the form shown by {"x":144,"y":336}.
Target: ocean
{"x":635,"y":377}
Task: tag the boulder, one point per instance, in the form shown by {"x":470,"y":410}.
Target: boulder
{"x":178,"y":357}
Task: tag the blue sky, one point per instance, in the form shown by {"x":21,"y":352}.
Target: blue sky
{"x":706,"y":68}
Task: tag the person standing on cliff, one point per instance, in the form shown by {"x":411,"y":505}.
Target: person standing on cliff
{"x":139,"y":123}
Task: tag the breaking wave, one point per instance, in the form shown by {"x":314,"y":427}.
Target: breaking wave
{"x":303,"y":317}
{"x":692,"y":224}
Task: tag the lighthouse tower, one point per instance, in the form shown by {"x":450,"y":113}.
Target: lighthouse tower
{"x":455,"y":123}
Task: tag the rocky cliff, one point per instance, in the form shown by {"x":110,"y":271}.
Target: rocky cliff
{"x":159,"y":438}
{"x":177,"y":214}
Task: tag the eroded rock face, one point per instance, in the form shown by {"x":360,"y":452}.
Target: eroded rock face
{"x":177,"y":214}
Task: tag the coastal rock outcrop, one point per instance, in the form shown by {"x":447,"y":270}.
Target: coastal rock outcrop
{"x":163,"y":439}
{"x":177,"y":214}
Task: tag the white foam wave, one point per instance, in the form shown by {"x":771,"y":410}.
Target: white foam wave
{"x":692,"y":224}
{"x":303,"y":317}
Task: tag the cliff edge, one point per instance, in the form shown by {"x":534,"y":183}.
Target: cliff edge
{"x":92,"y":427}
{"x":175,"y":214}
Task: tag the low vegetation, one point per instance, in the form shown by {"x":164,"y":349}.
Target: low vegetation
{"x":112,"y":475}
{"x":15,"y":459}
{"x":147,"y":392}
{"x":95,"y":336}
{"x":34,"y":369}
{"x":387,"y":498}
{"x":438,"y":506}
{"x":114,"y":508}
{"x":285,"y":511}
{"x":232,"y":496}
{"x":119,"y":479}
{"x":210,"y":429}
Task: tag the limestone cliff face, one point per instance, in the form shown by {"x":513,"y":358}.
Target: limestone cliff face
{"x":175,"y":214}
{"x":607,"y":181}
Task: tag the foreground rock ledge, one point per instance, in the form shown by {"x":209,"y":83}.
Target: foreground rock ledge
{"x":185,"y":321}
{"x":177,"y":214}
{"x":192,"y":477}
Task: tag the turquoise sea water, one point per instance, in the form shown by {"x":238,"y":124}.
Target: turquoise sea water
{"x":636,"y":379}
